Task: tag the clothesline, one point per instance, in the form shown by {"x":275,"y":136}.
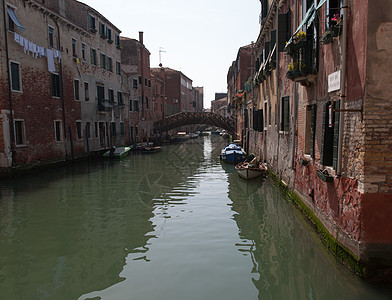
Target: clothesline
{"x":39,"y":51}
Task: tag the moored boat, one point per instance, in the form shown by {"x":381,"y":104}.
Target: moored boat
{"x":250,"y":170}
{"x":117,"y":152}
{"x":180,"y":137}
{"x":150,"y":150}
{"x":233,"y":153}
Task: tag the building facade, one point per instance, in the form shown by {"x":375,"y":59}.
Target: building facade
{"x":58,"y":91}
{"x":318,"y":107}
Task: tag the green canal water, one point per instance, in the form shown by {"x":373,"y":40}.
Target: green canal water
{"x":177,"y":224}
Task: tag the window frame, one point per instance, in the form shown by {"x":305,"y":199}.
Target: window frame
{"x":92,"y":29}
{"x":86,"y":91}
{"x":84,"y":51}
{"x":118,"y":68}
{"x":76,"y":89}
{"x":51,"y":39}
{"x":20,"y":135}
{"x":285,"y":114}
{"x":55,"y":86}
{"x":93,"y":56}
{"x":19,"y":74}
{"x":79,"y":130}
{"x":58,"y":131}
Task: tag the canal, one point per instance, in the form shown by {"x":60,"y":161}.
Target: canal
{"x":177,"y":224}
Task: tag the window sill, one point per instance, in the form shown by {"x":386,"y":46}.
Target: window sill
{"x":17,"y":91}
{"x":21,"y":146}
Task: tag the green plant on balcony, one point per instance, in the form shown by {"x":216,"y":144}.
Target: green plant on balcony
{"x":293,"y":70}
{"x":334,"y":31}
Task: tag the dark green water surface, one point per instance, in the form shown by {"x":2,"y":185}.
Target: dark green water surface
{"x":177,"y":224}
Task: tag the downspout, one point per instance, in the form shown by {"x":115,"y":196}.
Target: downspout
{"x":61,"y":88}
{"x":12,"y":133}
{"x":295,"y":106}
{"x":277,"y":113}
{"x":343,"y":85}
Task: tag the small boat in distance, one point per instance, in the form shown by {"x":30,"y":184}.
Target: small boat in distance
{"x":180,"y":137}
{"x":150,"y":150}
{"x":250,"y":170}
{"x":117,"y":152}
{"x":233,"y":153}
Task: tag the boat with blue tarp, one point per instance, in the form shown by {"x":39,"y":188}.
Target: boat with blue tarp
{"x":233,"y":154}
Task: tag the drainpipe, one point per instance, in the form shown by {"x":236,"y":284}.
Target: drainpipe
{"x":12,"y":133}
{"x":295,"y":108}
{"x":61,"y":89}
{"x":343,"y":85}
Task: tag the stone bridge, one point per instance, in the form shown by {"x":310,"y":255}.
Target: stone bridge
{"x":193,"y":118}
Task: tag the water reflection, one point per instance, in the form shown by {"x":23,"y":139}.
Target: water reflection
{"x":288,"y":259}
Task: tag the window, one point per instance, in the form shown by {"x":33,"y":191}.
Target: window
{"x":145,"y":81}
{"x":79,"y":130}
{"x":109,"y":35}
{"x":51,"y":36}
{"x":118,"y":68}
{"x":136,"y":105}
{"x":55,"y":84}
{"x":93,"y":54}
{"x":88,"y":130}
{"x":122,"y":128}
{"x":333,"y":13}
{"x":117,"y":40}
{"x":130,"y":104}
{"x":91,"y":23}
{"x":109,"y":64}
{"x":19,"y":127}
{"x":149,"y":83}
{"x":147,"y":107}
{"x":310,"y":129}
{"x":111,"y":95}
{"x":120,"y":99}
{"x":285,"y":114}
{"x":86,"y":92}
{"x":135,"y":83}
{"x":103,"y":61}
{"x":84,"y":51}
{"x":102,"y":32}
{"x":58,"y":135}
{"x":264,"y":9}
{"x":74,"y":48}
{"x":140,"y":79}
{"x":330,"y":136}
{"x":76,"y":89}
{"x":96,"y":129}
{"x":16,"y":83}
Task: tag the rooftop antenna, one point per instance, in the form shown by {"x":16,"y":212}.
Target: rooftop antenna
{"x":160,"y":58}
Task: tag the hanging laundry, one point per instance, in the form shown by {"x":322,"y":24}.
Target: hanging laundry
{"x":50,"y":56}
{"x":17,"y":38}
{"x":57,"y":54}
{"x":21,"y":40}
{"x":26,"y":45}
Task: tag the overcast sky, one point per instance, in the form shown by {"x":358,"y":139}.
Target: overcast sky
{"x":201,"y":38}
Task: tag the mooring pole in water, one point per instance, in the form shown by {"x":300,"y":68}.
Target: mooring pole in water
{"x":71,"y":140}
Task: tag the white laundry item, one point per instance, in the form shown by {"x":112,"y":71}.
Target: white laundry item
{"x":21,"y":40}
{"x":26,"y":45}
{"x":49,"y":54}
{"x":17,"y":37}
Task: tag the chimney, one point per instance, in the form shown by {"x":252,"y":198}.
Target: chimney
{"x":141,"y":37}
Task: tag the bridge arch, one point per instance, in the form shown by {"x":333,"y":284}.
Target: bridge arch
{"x":194,"y":118}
